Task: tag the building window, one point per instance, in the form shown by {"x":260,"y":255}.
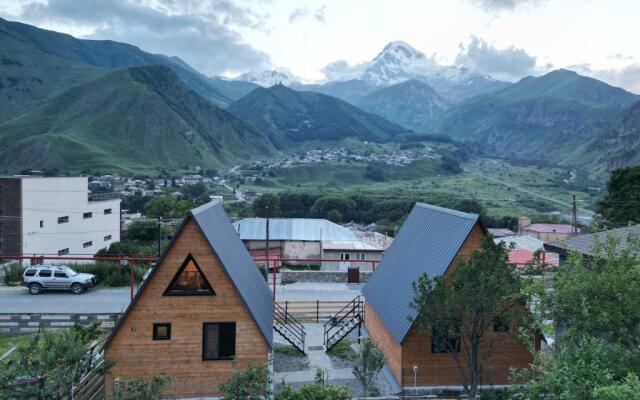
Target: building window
{"x":63,"y":220}
{"x":500,"y":324}
{"x":108,"y":237}
{"x":45,"y":273}
{"x":345,"y":256}
{"x":63,"y":251}
{"x":107,"y":211}
{"x":361,"y":256}
{"x":189,"y":280}
{"x":41,"y":224}
{"x":87,"y":215}
{"x":444,"y":342}
{"x":162,"y":331}
{"x":219,"y":341}
{"x":87,"y":244}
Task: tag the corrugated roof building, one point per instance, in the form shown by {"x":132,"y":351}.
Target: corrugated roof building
{"x":587,"y":244}
{"x":430,"y":241}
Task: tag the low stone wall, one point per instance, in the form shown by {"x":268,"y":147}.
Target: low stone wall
{"x":29,"y":323}
{"x":288,"y":276}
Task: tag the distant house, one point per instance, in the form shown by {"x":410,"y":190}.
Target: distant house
{"x":431,"y":240}
{"x":202,"y":311}
{"x":54,"y":215}
{"x":191,"y":179}
{"x":500,"y":232}
{"x":545,"y":232}
{"x":524,"y":249}
{"x":587,"y":245}
{"x":306,"y":238}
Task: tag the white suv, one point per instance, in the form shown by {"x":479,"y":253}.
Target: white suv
{"x":39,"y":277}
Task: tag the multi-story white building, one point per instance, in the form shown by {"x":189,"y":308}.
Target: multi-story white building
{"x":53,"y":216}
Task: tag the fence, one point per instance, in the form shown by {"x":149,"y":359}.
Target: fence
{"x":316,"y":311}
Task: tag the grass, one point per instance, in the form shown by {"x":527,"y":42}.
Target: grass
{"x":342,"y":350}
{"x":287,"y":350}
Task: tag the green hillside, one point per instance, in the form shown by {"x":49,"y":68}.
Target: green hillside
{"x":36,"y":64}
{"x":140,"y":118}
{"x":412,"y":104}
{"x":289,"y":117}
{"x":569,"y":85}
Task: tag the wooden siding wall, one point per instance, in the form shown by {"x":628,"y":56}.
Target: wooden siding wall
{"x":136,"y":355}
{"x":383,"y":339}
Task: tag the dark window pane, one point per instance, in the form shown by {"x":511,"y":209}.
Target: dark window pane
{"x":211,"y":341}
{"x":162,"y":331}
{"x":58,"y":274}
{"x":500,"y":324}
{"x":45,"y":272}
{"x":30,"y":272}
{"x":444,"y":342}
{"x":227,"y":340}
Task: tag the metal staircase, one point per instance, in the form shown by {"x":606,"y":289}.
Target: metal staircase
{"x":346,"y":320}
{"x":288,"y":327}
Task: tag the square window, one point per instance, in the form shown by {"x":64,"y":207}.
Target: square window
{"x":63,"y":251}
{"x":87,"y":215}
{"x":162,"y":331}
{"x":219,"y":341}
{"x":87,"y":244}
{"x":107,"y":211}
{"x":108,"y":237}
{"x":63,"y":220}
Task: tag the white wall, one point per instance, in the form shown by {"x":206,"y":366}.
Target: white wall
{"x":47,"y":199}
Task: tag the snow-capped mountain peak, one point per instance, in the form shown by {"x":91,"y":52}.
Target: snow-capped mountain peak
{"x":267,"y":78}
{"x":397,"y":62}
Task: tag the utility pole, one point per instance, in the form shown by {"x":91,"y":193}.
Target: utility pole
{"x":266,"y":214}
{"x":159,"y":235}
{"x":574,"y":216}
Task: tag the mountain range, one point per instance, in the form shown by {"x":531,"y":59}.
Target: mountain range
{"x":80,"y":105}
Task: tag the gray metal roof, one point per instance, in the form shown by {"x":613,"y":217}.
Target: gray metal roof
{"x":292,"y":229}
{"x":427,"y":242}
{"x":238,"y":264}
{"x":585,"y":244}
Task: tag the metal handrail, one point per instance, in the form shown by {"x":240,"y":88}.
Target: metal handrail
{"x":294,"y":326}
{"x":279,"y":310}
{"x":353,"y":312}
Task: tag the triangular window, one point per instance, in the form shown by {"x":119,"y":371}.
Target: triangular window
{"x":189,"y":281}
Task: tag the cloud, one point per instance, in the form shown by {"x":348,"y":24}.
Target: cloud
{"x":627,"y":77}
{"x":342,"y":71}
{"x":206,"y":34}
{"x":509,"y":64}
{"x":300,"y":13}
{"x":494,"y":6}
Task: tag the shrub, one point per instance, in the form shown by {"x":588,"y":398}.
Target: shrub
{"x":249,"y":383}
{"x":142,"y":389}
{"x":111,"y":273}
{"x":368,"y":362}
{"x":11,"y":273}
{"x":314,"y":391}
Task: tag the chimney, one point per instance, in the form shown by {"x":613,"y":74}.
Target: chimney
{"x":522,"y":222}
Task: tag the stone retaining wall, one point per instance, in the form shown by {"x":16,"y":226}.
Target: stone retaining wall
{"x":29,"y":323}
{"x":288,"y":277}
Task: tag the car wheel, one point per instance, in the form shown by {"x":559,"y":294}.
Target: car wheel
{"x":77,"y":288}
{"x":35,"y":288}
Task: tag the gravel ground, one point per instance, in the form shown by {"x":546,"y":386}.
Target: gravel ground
{"x":289,"y":360}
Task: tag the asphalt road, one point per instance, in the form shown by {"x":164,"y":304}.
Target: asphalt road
{"x":115,"y":300}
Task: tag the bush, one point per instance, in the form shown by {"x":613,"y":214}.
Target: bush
{"x":314,"y":391}
{"x":141,"y":389}
{"x":249,"y":383}
{"x":111,"y":273}
{"x":11,"y":273}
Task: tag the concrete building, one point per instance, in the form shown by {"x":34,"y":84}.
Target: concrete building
{"x":305,"y":238}
{"x":51,"y":215}
{"x":545,"y":232}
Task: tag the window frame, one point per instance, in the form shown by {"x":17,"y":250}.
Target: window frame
{"x":169,"y":292}
{"x":87,"y":215}
{"x":107,"y":238}
{"x":87,"y":244}
{"x":107,"y":211}
{"x":64,"y":251}
{"x":63,"y":220}
{"x":204,"y":340}
{"x":156,"y":336}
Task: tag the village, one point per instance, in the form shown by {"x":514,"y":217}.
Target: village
{"x":315,"y":291}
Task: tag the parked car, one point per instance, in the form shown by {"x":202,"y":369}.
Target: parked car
{"x":58,"y":277}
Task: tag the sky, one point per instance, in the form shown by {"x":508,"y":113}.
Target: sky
{"x":507,"y":39}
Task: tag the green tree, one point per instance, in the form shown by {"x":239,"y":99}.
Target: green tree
{"x":161,"y":206}
{"x":621,"y":205}
{"x":375,"y":173}
{"x":334,"y":216}
{"x":52,"y":359}
{"x":197,"y":192}
{"x":343,"y":204}
{"x":314,"y":391}
{"x":260,"y":206}
{"x":368,"y":363}
{"x":457,"y":310}
{"x":252,"y":382}
{"x":144,"y":231}
{"x":597,"y":317}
